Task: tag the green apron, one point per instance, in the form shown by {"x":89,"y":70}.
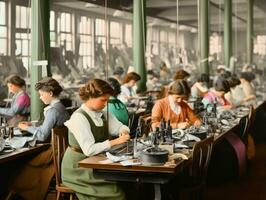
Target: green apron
{"x":82,"y":180}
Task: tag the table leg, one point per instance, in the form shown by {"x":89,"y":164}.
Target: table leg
{"x":157,"y":191}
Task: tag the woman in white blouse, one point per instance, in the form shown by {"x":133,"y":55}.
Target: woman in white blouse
{"x":128,"y":90}
{"x":88,"y":136}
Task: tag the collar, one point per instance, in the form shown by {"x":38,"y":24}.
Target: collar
{"x":92,"y":113}
{"x":54,"y":101}
{"x":174,"y":106}
{"x":18,"y":93}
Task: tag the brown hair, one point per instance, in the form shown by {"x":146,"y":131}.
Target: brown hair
{"x":222,"y":85}
{"x":181,"y":74}
{"x":95,"y":88}
{"x":131,"y":76}
{"x":49,"y":84}
{"x":179,"y":87}
{"x":15,"y":80}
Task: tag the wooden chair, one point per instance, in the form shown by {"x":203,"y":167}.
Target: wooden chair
{"x":59,"y":146}
{"x":249,"y":121}
{"x":201,"y":155}
{"x":145,"y":121}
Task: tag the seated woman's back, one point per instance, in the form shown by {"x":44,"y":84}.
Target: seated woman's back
{"x":116,"y":106}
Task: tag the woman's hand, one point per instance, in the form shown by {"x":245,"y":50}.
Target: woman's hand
{"x":183,"y":125}
{"x":24,"y":125}
{"x":123,"y":137}
{"x":197,"y":123}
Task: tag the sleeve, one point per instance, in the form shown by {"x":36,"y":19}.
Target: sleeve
{"x":190,"y":114}
{"x":124,"y":93}
{"x":157,"y":114}
{"x":81,"y":129}
{"x":115,"y":126}
{"x":42,"y":132}
{"x":17,"y":106}
{"x":8,"y":111}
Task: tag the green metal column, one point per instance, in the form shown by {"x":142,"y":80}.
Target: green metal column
{"x":40,"y":45}
{"x":227,"y":31}
{"x":250,"y":31}
{"x":139,"y":41}
{"x":11,"y":27}
{"x":204,"y":35}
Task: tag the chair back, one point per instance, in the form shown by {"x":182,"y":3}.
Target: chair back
{"x":248,"y":120}
{"x":145,"y":121}
{"x":201,"y":155}
{"x":59,"y":146}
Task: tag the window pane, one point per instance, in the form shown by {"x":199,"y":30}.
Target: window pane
{"x":2,"y":13}
{"x":114,"y":29}
{"x":18,"y":16}
{"x":3,"y":32}
{"x":18,"y":47}
{"x":24,"y":35}
{"x":25,"y":50}
{"x":52,"y":36}
{"x":52,"y":44}
{"x":100,"y":29}
{"x":62,"y":21}
{"x":25,"y":61}
{"x":69,"y":37}
{"x":23,"y":17}
{"x":3,"y":46}
{"x":68,"y":22}
{"x":52,"y":20}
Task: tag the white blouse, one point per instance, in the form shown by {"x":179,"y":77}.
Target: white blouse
{"x":81,"y":129}
{"x":126,"y":92}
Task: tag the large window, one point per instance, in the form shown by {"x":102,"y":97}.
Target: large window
{"x":23,"y":24}
{"x":85,"y":35}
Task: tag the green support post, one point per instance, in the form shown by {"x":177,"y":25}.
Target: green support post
{"x":40,"y":45}
{"x":227,"y":32}
{"x":250,"y":31}
{"x":139,"y":42}
{"x":204,"y":35}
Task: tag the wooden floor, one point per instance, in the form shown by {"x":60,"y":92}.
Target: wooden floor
{"x":250,"y":187}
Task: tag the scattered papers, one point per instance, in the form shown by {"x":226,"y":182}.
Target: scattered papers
{"x":130,"y":163}
{"x":117,"y":158}
{"x":19,"y":142}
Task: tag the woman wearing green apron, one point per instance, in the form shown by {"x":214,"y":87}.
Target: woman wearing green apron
{"x":88,"y":136}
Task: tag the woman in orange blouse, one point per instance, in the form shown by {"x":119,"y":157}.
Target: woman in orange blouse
{"x":173,"y":108}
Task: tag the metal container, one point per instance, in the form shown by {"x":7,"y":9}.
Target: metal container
{"x":154,"y":156}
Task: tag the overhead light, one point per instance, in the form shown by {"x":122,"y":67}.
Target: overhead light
{"x":91,"y":5}
{"x":118,"y":13}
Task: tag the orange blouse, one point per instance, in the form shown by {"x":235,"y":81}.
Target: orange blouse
{"x":162,"y":109}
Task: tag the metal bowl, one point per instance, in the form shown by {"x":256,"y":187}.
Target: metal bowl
{"x":154,"y":156}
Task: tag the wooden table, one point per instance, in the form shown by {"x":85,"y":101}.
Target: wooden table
{"x":11,"y":162}
{"x":157,"y":175}
{"x":20,"y":153}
